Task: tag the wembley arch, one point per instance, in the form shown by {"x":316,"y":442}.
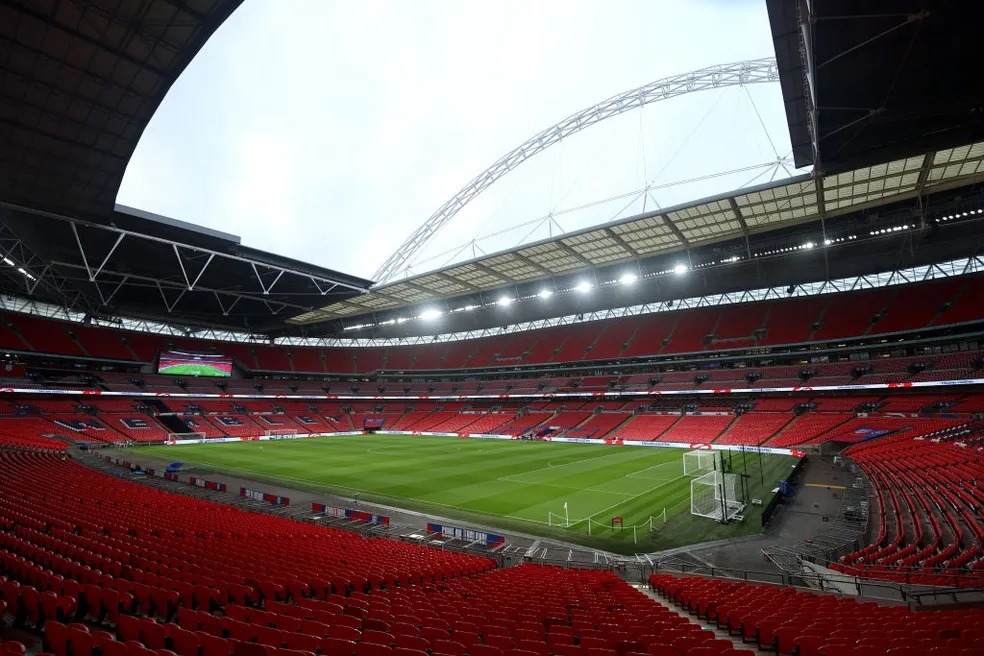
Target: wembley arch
{"x":755,"y":71}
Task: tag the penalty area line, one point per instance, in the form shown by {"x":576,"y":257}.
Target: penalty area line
{"x":632,"y":498}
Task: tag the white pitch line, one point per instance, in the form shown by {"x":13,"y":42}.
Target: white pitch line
{"x":616,"y":505}
{"x":511,"y":479}
{"x":636,"y":474}
{"x":334,"y":490}
{"x":551,"y":466}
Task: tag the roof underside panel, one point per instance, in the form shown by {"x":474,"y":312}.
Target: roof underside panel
{"x":866,"y":82}
{"x":80,"y":82}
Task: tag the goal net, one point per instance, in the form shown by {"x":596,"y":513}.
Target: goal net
{"x":714,"y":495}
{"x":178,"y":437}
{"x":697,"y":462}
{"x":281,"y":432}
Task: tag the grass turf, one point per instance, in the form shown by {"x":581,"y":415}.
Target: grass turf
{"x":505,"y":484}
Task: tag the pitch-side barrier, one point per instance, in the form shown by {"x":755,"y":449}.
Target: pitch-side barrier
{"x":484,"y":436}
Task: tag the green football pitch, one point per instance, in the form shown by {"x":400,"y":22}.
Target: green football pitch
{"x":193,"y":370}
{"x":513,"y":485}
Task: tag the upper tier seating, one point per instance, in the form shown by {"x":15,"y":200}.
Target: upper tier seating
{"x":790,"y":621}
{"x":767,"y":323}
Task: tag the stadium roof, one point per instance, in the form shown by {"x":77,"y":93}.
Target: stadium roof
{"x":80,"y":81}
{"x":867,"y":82}
{"x":740,"y":215}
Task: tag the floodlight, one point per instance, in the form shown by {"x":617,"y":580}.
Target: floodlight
{"x":680,"y":269}
{"x":628,"y":279}
{"x":808,"y":245}
{"x":546,"y":293}
{"x":583,"y":286}
{"x":505,"y":300}
{"x":428,"y":315}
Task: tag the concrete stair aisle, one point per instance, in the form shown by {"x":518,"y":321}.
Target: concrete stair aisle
{"x":722,"y":634}
{"x":670,"y":427}
{"x":614,"y":431}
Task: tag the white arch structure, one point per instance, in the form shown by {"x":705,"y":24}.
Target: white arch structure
{"x":756,"y":71}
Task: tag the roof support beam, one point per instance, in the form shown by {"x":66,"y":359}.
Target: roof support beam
{"x":266,"y":289}
{"x":495,"y":274}
{"x":533,"y":264}
{"x":85,"y":260}
{"x":103,"y":83}
{"x":464,"y":284}
{"x":226,"y":309}
{"x":167,"y":302}
{"x":570,"y":251}
{"x":188,"y":247}
{"x":107,"y":299}
{"x":146,"y":281}
{"x":927,"y":166}
{"x":95,"y":43}
{"x":184,"y":272}
{"x":621,"y":242}
{"x":675,"y":230}
{"x":744,"y":226}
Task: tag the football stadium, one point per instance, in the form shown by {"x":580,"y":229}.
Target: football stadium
{"x":749,"y":422}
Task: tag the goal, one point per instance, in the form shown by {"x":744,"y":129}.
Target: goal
{"x":178,"y":437}
{"x":715,"y":495}
{"x":280,"y":433}
{"x":698,"y":462}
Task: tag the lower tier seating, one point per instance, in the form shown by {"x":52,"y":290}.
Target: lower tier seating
{"x":107,"y":567}
{"x":788,"y":621}
{"x":931,"y":522}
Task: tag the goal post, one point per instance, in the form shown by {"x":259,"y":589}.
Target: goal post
{"x":281,"y":433}
{"x":179,"y":437}
{"x":715,"y":496}
{"x":698,"y":462}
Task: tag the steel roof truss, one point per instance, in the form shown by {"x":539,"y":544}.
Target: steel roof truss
{"x":184,"y":271}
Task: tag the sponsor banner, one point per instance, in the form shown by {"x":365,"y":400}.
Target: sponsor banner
{"x":266,"y":497}
{"x":208,"y":485}
{"x":325,"y":509}
{"x":258,"y":438}
{"x":464,"y":534}
{"x":478,"y":436}
{"x":576,"y":440}
{"x":348,"y":513}
{"x":367,"y":517}
{"x":466,"y":397}
{"x":203,"y":440}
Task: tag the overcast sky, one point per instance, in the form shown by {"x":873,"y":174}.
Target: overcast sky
{"x":328,"y":131}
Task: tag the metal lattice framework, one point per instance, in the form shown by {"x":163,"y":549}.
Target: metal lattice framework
{"x":757,"y":71}
{"x":101,"y":270}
